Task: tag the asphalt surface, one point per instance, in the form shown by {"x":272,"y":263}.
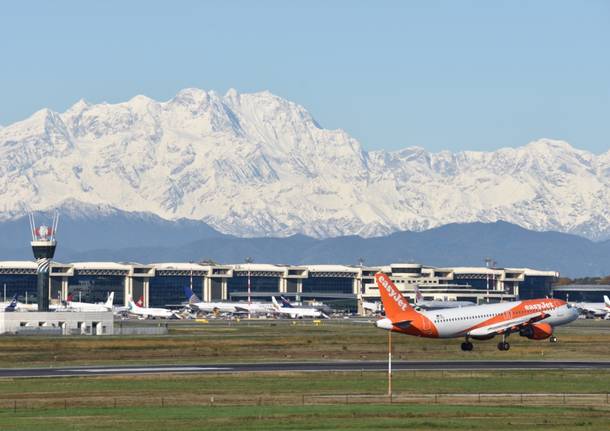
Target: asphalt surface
{"x":301,"y":366}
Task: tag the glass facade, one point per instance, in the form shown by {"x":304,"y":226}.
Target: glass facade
{"x":573,"y":294}
{"x":169,"y":290}
{"x":328,"y":285}
{"x":239,"y":284}
{"x":216,"y":289}
{"x":137,"y":288}
{"x":535,"y":287}
{"x":24,"y":285}
{"x":291,"y":285}
{"x":55,"y":287}
{"x":96,"y":288}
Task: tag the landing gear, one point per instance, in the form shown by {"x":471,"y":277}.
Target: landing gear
{"x":503,"y":345}
{"x":553,"y":339}
{"x":467,"y":346}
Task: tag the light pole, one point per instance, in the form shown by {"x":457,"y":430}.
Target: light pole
{"x":390,"y":363}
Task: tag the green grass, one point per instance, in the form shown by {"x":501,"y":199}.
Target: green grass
{"x":336,"y":417}
{"x":224,"y":341}
{"x":254,"y":384}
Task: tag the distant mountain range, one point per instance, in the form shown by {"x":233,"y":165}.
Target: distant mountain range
{"x":114,"y":235}
{"x":256,"y":165}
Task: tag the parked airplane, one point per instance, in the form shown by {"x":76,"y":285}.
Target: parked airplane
{"x":145,"y":312}
{"x":534,"y":318}
{"x":320,"y":306}
{"x":593,"y":309}
{"x":420,"y":302}
{"x":296,"y":312}
{"x":87,"y":306}
{"x":226,"y":307}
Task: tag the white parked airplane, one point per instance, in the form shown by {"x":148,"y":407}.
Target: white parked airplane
{"x":420,"y":302}
{"x":226,"y":307}
{"x":146,"y":312}
{"x":532,"y":318}
{"x":594,"y":309}
{"x":87,"y":306}
{"x":297,"y":312}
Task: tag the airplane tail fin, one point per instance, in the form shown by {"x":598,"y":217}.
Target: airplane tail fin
{"x":607,"y":301}
{"x":110,"y":300}
{"x":275,"y":304}
{"x":140,"y":301}
{"x":397,"y":308}
{"x":285,"y":303}
{"x":12,"y":305}
{"x":190,"y":295}
{"x":131,"y":305}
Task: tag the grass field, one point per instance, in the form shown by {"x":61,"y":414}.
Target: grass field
{"x":281,"y":340}
{"x":500,"y":400}
{"x":298,"y":401}
{"x":355,"y":417}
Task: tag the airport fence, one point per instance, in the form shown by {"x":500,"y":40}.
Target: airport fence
{"x":113,"y":402}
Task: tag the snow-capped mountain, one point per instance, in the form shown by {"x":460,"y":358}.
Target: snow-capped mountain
{"x":259,"y":165}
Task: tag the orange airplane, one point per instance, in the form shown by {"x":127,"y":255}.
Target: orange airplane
{"x":533,"y":318}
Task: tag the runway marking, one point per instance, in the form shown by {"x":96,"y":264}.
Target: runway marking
{"x":145,"y":370}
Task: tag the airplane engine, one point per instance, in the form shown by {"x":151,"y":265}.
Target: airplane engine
{"x":537,"y":331}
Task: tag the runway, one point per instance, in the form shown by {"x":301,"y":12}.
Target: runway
{"x":301,"y":366}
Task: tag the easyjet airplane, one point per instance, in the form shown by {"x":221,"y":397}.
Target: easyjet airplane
{"x":533,"y":318}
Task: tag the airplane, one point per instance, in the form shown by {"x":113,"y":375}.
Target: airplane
{"x":87,"y":306}
{"x":593,"y":309}
{"x":297,"y":312}
{"x":533,"y":318}
{"x":320,"y":306}
{"x":420,"y":302}
{"x":226,"y":307}
{"x":145,"y":312}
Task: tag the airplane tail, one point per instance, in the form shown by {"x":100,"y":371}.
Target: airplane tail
{"x":140,"y":301}
{"x":12,"y":305}
{"x":275,"y":304}
{"x":110,"y":300}
{"x":607,"y":301}
{"x":190,"y":295}
{"x":285,"y":303}
{"x":396,"y":307}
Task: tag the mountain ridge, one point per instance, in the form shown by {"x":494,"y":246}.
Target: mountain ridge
{"x":254,"y":164}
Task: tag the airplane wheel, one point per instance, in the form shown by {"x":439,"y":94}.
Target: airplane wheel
{"x":467,"y":346}
{"x":553,"y":339}
{"x":503,"y":346}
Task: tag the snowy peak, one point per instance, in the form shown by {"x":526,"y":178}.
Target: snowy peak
{"x":254,"y":164}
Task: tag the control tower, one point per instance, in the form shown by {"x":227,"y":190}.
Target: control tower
{"x":43,"y":246}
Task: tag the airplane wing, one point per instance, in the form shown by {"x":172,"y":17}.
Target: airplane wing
{"x":511,"y":325}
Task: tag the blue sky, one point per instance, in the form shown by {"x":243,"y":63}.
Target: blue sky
{"x":457,"y":75}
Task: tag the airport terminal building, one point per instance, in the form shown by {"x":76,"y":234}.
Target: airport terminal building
{"x":162,"y":284}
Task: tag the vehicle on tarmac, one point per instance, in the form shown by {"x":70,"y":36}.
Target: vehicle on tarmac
{"x":533,"y":318}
